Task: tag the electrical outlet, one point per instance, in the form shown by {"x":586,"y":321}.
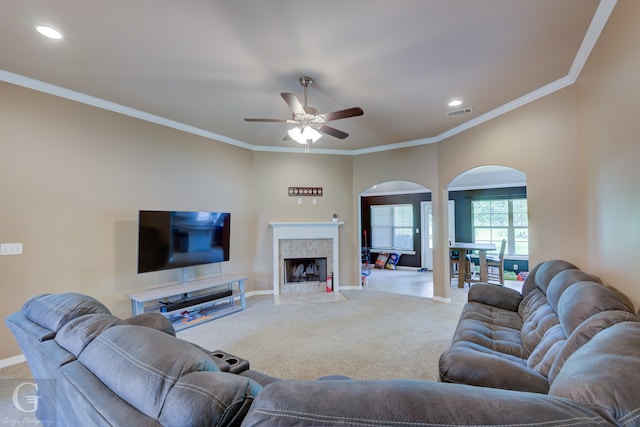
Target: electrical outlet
{"x":10,"y":248}
{"x":515,"y":267}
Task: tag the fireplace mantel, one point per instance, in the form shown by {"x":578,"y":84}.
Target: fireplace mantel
{"x":304,"y":230}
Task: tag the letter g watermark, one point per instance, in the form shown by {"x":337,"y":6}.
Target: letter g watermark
{"x":31,"y":399}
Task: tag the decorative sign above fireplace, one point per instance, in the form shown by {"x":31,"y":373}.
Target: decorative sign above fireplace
{"x":305,"y":191}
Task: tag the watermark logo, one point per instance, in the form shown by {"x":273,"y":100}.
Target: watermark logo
{"x":26,"y":392}
{"x":23,"y":404}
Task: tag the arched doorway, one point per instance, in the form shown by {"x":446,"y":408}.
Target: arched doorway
{"x":394,"y":218}
{"x":490,"y":205}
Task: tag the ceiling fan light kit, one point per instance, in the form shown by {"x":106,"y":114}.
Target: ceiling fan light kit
{"x":304,"y":134}
{"x":310,"y":126}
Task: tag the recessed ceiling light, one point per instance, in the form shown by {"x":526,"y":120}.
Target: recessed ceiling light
{"x":49,"y":32}
{"x":455,"y":103}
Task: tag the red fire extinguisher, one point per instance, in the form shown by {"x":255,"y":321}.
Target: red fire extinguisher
{"x":330,"y":283}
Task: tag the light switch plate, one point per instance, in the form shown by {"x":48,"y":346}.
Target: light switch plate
{"x":10,"y":248}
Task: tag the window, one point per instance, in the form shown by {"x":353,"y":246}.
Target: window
{"x":392,"y":227}
{"x":494,"y":220}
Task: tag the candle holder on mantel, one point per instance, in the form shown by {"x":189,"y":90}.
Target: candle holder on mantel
{"x":334,"y":218}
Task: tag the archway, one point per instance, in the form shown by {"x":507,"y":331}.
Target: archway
{"x":408,"y":236}
{"x":490,"y":205}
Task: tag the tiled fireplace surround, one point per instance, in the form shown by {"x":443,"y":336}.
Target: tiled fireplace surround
{"x":304,"y":240}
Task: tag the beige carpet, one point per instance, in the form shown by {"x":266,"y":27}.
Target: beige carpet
{"x":370,"y":335}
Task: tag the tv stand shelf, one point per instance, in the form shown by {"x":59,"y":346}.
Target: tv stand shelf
{"x":192,"y":303}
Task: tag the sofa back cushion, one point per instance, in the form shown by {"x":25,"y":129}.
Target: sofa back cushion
{"x":583,"y":334}
{"x":575,"y":303}
{"x":143,"y":365}
{"x":52,"y":311}
{"x":561,"y":281}
{"x":541,"y":275}
{"x":604,"y":374}
{"x":79,"y":332}
{"x":584,"y":299}
{"x":538,"y":308}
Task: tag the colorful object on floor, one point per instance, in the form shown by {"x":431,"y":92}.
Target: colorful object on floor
{"x":392,"y":261}
{"x":509,"y":275}
{"x":387,"y":260}
{"x":381,"y":261}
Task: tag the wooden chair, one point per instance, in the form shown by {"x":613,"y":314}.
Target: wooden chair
{"x":454,"y":268}
{"x":495,"y":265}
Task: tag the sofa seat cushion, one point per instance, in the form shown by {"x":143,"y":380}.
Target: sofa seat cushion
{"x":490,"y":315}
{"x":473,"y":364}
{"x":496,"y":338}
{"x":52,"y":311}
{"x":537,"y":318}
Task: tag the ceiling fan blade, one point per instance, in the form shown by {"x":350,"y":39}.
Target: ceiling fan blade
{"x":342,"y":114}
{"x":292,"y":101}
{"x":271,"y":120}
{"x":333,"y":132}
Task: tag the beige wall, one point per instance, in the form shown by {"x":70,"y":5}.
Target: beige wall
{"x":415,"y":164}
{"x":273,"y":174}
{"x":539,"y":139}
{"x":608,"y":94}
{"x":74,"y":177}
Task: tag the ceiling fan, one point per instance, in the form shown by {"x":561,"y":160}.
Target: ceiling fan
{"x":307,"y":118}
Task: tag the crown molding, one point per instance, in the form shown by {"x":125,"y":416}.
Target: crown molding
{"x":600,"y":18}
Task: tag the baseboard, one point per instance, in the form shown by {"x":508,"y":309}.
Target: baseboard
{"x":406,"y":268}
{"x":256,"y":293}
{"x":15,"y":360}
{"x":441,"y":299}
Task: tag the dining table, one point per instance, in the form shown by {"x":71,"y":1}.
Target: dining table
{"x":463,"y":249}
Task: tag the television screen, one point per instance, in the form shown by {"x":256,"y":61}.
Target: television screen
{"x":174,"y":239}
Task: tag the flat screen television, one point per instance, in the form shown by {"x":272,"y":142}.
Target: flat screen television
{"x":176,"y":239}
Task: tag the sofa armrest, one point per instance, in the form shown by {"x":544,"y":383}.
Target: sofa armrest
{"x":496,"y":296}
{"x":408,"y":402}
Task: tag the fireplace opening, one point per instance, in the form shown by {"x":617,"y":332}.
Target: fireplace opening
{"x":305,"y":270}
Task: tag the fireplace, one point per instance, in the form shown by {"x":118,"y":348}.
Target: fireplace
{"x":304,"y":254}
{"x":297,"y":270}
{"x":304,"y":275}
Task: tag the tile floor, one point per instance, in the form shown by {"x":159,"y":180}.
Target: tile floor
{"x":412,"y":282}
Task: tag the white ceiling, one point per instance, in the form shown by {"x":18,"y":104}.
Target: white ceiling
{"x":205,"y":65}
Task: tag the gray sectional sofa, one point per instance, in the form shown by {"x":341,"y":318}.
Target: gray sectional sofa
{"x":520,"y":341}
{"x":564,"y":352}
{"x":94,"y":369}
